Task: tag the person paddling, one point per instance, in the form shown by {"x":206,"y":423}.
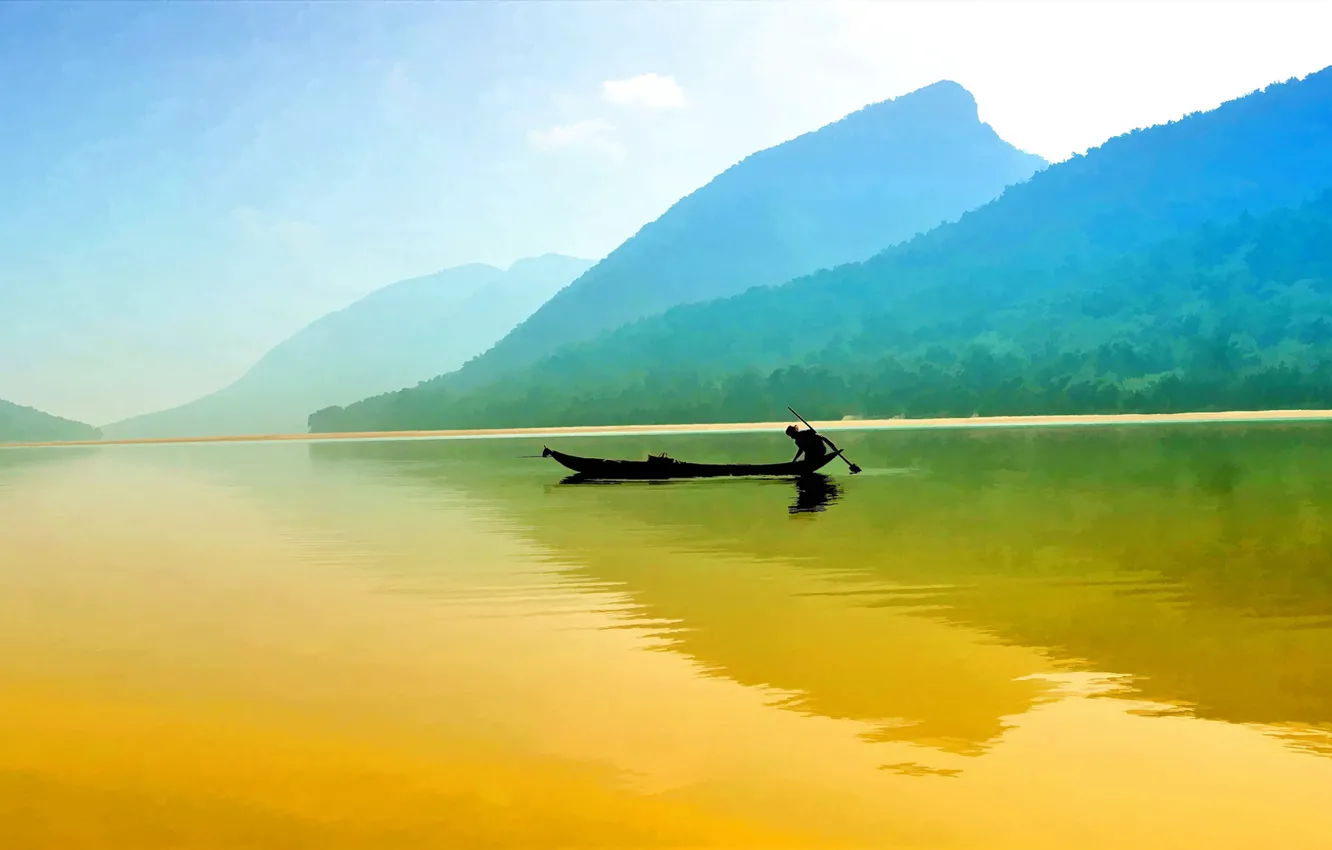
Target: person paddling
{"x":810,"y":443}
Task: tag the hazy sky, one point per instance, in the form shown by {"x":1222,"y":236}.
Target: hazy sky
{"x":182,"y":185}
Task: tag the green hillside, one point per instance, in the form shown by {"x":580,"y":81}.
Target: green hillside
{"x":1150,"y":274}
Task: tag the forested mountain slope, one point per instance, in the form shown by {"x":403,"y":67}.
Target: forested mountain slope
{"x":1235,"y":316}
{"x":1003,"y":276}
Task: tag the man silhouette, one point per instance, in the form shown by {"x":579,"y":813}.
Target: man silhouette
{"x":809,"y":442}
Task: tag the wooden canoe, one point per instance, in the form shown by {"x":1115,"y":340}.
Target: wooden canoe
{"x":662,"y":467}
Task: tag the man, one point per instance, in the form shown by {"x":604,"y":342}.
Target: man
{"x":809,"y":442}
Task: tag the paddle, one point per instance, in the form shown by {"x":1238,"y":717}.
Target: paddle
{"x":838,"y":452}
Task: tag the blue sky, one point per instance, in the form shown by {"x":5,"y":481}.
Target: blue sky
{"x":186,"y":184}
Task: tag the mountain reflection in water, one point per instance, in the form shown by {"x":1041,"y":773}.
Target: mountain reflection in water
{"x":1081,"y":638}
{"x":1188,"y":564}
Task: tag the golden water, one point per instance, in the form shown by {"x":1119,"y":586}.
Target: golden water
{"x":1084,"y":638}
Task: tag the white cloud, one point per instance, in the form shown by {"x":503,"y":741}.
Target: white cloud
{"x":650,"y":91}
{"x":594,"y":134}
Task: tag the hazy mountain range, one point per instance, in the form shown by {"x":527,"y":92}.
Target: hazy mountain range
{"x":1171,"y":265}
{"x":904,"y":260}
{"x":831,"y":196}
{"x":394,"y":337}
{"x":19,"y":424}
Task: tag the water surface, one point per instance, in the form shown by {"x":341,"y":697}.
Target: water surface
{"x":991,"y":639}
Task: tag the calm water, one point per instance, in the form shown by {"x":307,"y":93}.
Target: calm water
{"x":989,"y":639}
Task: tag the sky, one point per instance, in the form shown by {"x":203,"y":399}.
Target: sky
{"x":183,"y":185}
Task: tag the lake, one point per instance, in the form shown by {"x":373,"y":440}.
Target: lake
{"x":1026,"y":638}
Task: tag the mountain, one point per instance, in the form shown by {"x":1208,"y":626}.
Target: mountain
{"x":835,"y":195}
{"x":19,"y":424}
{"x":1227,"y":317}
{"x":1009,"y":292}
{"x":394,"y":337}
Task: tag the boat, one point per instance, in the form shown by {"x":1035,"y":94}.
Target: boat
{"x":662,"y":467}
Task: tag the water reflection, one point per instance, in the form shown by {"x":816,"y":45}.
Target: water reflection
{"x":813,"y":492}
{"x":434,"y":644}
{"x":1192,"y":561}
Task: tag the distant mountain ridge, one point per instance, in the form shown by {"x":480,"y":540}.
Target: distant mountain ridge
{"x":392,"y":338}
{"x":834,"y":195}
{"x":1023,"y":256}
{"x":19,"y":424}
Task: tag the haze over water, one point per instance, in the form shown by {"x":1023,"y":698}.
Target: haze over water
{"x":1037,"y":638}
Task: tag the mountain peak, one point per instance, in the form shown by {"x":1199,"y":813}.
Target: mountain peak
{"x":837,"y":194}
{"x":941,"y":110}
{"x":945,"y":93}
{"x":942,"y":103}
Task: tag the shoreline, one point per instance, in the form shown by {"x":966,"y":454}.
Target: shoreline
{"x":1031,"y":421}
